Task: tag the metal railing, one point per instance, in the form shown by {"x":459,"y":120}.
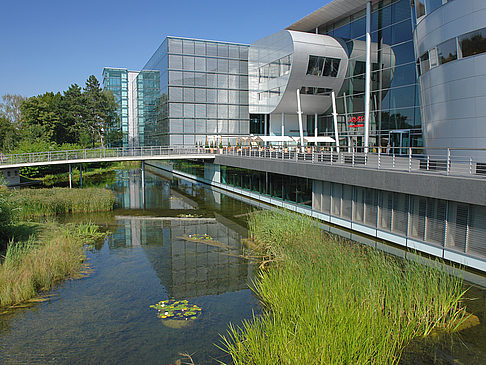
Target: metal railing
{"x":95,"y":154}
{"x":449,"y":161}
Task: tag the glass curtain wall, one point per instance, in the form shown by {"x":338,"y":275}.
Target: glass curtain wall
{"x":201,"y":93}
{"x":116,"y":80}
{"x":394,"y":97}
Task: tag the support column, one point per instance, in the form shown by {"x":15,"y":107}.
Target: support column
{"x":143,"y":184}
{"x":368,"y":76}
{"x":347,"y":121}
{"x":81,"y":175}
{"x":70,"y":178}
{"x":334,"y":117}
{"x":315,"y":126}
{"x":283,"y":124}
{"x":299,"y":113}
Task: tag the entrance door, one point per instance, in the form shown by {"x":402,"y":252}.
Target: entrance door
{"x":400,"y":140}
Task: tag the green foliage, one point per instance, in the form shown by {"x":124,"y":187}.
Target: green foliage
{"x":329,"y":301}
{"x":180,"y":310}
{"x":44,"y":260}
{"x":5,"y":212}
{"x":32,"y":203}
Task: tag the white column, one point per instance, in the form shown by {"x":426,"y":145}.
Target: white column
{"x":299,"y":113}
{"x":70,"y":178}
{"x":368,"y":76}
{"x":315,"y":126}
{"x":265,"y":124}
{"x":334,"y":117}
{"x":283,"y":124}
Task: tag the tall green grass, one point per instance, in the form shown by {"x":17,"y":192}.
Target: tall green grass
{"x":327,"y":301}
{"x":41,"y":262}
{"x":30,"y":203}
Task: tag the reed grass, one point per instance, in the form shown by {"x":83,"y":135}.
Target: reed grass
{"x":42,"y":261}
{"x":31,"y":203}
{"x":326,"y":301}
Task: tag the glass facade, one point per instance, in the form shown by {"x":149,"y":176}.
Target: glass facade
{"x":192,"y":90}
{"x":395,"y":109}
{"x":116,"y":80}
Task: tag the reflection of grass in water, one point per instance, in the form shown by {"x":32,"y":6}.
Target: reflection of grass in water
{"x":329,"y":302}
{"x":43,"y":260}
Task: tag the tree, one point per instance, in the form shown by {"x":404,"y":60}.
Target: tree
{"x":41,"y":117}
{"x":101,"y":117}
{"x":10,"y":108}
{"x":8,"y":135}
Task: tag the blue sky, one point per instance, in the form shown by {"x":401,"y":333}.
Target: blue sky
{"x":48,"y":45}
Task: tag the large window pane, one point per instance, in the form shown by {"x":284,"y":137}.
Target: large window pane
{"x":447,"y":51}
{"x":473,"y":43}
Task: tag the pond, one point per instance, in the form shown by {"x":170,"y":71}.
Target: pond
{"x":106,"y":317}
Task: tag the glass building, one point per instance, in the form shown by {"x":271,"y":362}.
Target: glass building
{"x":194,"y":90}
{"x":327,"y":52}
{"x":120,"y":82}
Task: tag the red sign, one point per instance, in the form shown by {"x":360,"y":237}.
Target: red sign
{"x":356,"y":122}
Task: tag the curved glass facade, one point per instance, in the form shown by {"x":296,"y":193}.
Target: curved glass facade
{"x":395,"y":110}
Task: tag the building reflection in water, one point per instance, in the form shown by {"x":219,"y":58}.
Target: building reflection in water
{"x":185,"y":268}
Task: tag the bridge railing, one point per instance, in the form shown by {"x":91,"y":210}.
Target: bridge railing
{"x":73,"y":155}
{"x":446,"y":161}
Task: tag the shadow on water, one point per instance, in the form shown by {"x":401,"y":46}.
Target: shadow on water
{"x":106,"y":318}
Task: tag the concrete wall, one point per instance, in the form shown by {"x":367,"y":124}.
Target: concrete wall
{"x":11,"y":176}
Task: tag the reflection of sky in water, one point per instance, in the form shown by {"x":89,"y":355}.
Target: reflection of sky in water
{"x":105,"y":318}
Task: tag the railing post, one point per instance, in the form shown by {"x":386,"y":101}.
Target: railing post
{"x":470,"y":165}
{"x":448,"y":160}
{"x":353,"y":157}
{"x":428,"y":162}
{"x":393,"y":159}
{"x":379,"y":157}
{"x":332,"y":149}
{"x":409,"y":159}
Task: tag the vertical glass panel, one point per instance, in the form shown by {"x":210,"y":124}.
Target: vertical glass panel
{"x":188,"y":46}
{"x":212,"y":80}
{"x":436,"y":213}
{"x":201,"y":126}
{"x":212,"y":126}
{"x":313,"y":65}
{"x":223,"y":111}
{"x":175,"y":78}
{"x":222,"y":126}
{"x":431,"y":5}
{"x":473,"y":43}
{"x":222,"y":65}
{"x":244,"y":52}
{"x":176,"y":125}
{"x":336,"y":199}
{"x":189,"y":125}
{"x":222,"y":96}
{"x":358,"y":28}
{"x":347,"y":201}
{"x":212,"y":64}
{"x":234,"y":66}
{"x":188,"y":94}
{"x":447,"y":51}
{"x":244,"y":68}
{"x":211,"y":49}
{"x":222,"y":81}
{"x":457,"y":217}
{"x":188,"y":78}
{"x":424,"y":63}
{"x":401,"y":32}
{"x":358,"y":210}
{"x":212,"y":96}
{"x":200,"y":79}
{"x":199,"y":64}
{"x":326,"y":197}
{"x":400,"y":213}
{"x":477,"y":231}
{"x":400,"y":11}
{"x":200,"y":95}
{"x":234,"y":51}
{"x":175,"y":94}
{"x":200,"y":48}
{"x":188,"y":110}
{"x":386,"y":206}
{"x":419,"y":9}
{"x":175,"y":45}
{"x":200,"y":111}
{"x":233,"y":81}
{"x":223,"y":50}
{"x":175,"y":62}
{"x":188,"y":63}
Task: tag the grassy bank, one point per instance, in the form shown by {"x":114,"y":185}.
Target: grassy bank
{"x":90,"y":175}
{"x":30,"y":203}
{"x":327,"y":301}
{"x":38,"y":255}
{"x":43,"y":261}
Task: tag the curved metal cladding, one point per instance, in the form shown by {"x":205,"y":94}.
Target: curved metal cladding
{"x":278,"y":65}
{"x":453,"y":79}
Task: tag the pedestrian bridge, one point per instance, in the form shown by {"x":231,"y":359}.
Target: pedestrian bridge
{"x":101,"y":155}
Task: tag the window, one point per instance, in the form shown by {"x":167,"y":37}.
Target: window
{"x":447,"y":51}
{"x":473,"y":43}
{"x":323,"y":66}
{"x":315,"y":91}
{"x":419,"y":8}
{"x":424,"y":63}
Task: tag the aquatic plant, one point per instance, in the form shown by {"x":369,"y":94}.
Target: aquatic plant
{"x":30,"y":203}
{"x":328,"y":301}
{"x":178,"y":310}
{"x":43,"y":260}
{"x":200,"y":237}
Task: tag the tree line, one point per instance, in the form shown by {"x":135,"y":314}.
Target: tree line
{"x":76,"y":118}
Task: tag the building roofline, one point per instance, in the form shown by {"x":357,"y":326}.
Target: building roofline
{"x":329,"y":13}
{"x":206,"y":40}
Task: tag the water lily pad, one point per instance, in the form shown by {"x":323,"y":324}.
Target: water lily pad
{"x":179,"y":310}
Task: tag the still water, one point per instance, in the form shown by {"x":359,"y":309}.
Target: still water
{"x":105,"y":317}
